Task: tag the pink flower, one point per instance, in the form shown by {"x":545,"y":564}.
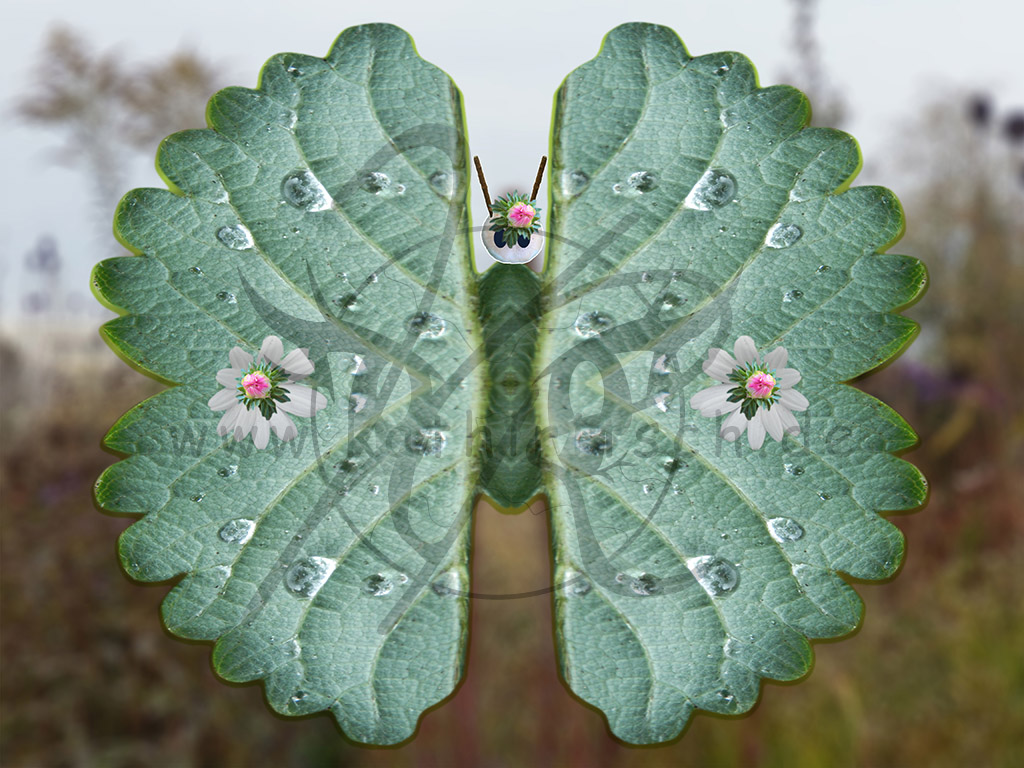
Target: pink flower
{"x":760,"y":385}
{"x":521,"y":215}
{"x":256,"y":384}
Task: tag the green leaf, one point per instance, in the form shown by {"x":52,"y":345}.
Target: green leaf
{"x":688,"y":208}
{"x":328,"y":207}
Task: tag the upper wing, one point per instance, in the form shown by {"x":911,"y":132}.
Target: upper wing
{"x":690,"y":208}
{"x":328,"y":207}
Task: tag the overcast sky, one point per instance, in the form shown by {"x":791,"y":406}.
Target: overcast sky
{"x":887,"y":58}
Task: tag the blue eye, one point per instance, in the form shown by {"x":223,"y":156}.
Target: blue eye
{"x":523,"y":241}
{"x":499,"y":238}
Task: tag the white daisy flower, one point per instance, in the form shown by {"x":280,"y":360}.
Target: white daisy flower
{"x":259,"y":394}
{"x":757,"y":393}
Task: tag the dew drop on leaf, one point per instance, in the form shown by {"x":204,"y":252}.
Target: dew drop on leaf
{"x":304,"y":191}
{"x":714,"y":189}
{"x":426,"y":442}
{"x":714,"y":574}
{"x":783,"y":235}
{"x":590,"y":325}
{"x":593,"y":441}
{"x":573,"y":182}
{"x":307,"y":576}
{"x":237,"y":531}
{"x":426,"y":325}
{"x":784,"y":529}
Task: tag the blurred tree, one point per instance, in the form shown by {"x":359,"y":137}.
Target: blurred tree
{"x":808,"y":72}
{"x":103,"y":105}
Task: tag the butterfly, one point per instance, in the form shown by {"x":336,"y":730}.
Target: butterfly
{"x":346,"y":384}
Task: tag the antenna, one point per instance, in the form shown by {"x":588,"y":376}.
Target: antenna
{"x":483,"y":184}
{"x":540,"y":175}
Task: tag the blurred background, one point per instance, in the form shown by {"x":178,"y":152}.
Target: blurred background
{"x":933,"y":91}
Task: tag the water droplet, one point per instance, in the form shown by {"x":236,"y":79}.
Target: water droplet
{"x":573,"y":182}
{"x":376,"y":182}
{"x":726,"y":697}
{"x":824,"y":496}
{"x":356,"y":402}
{"x":671,"y":465}
{"x":590,"y":325}
{"x":645,"y":277}
{"x":574,"y":583}
{"x":303,"y":190}
{"x":198,"y":497}
{"x":661,"y":401}
{"x":374,"y":489}
{"x":306,"y":577}
{"x":637,"y":183}
{"x":196,"y":271}
{"x":647,"y":488}
{"x":721,"y":70}
{"x":349,"y":301}
{"x":426,"y":325}
{"x":662,"y":364}
{"x":228,"y":471}
{"x":715,"y":575}
{"x":643,"y":584}
{"x":793,"y":295}
{"x":237,"y":531}
{"x":449,"y":585}
{"x":378,"y":585}
{"x":783,"y":235}
{"x":442,"y":183}
{"x":793,"y":469}
{"x":670,"y":300}
{"x":227,"y":296}
{"x":427,"y":442}
{"x":783,"y":529}
{"x":358,"y":366}
{"x":593,"y":441}
{"x":297,"y":697}
{"x":822,"y":269}
{"x":714,"y":189}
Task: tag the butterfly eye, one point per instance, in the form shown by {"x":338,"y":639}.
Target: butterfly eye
{"x":520,"y":250}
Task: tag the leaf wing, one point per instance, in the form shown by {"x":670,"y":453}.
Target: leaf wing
{"x":329,"y":207}
{"x":691,"y":207}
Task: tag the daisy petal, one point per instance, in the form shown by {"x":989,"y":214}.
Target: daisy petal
{"x":773,"y":423}
{"x":228,"y":377}
{"x":711,"y":401}
{"x":793,"y":400}
{"x":227,"y":421}
{"x":261,"y":433}
{"x":239,"y":358}
{"x":223,"y":400}
{"x":776,"y":358}
{"x":245,"y":422}
{"x":788,"y":377}
{"x":756,"y":430}
{"x":272,"y":350}
{"x":733,"y":426}
{"x":303,"y":401}
{"x":745,"y":350}
{"x":296,"y":363}
{"x":789,"y":423}
{"x":719,"y":364}
{"x":283,"y":426}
